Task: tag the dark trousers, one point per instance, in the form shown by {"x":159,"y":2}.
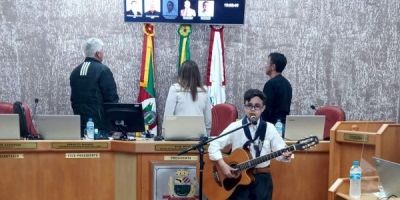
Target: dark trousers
{"x":260,"y":189}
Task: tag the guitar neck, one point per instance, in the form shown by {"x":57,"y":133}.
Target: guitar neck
{"x":252,"y":163}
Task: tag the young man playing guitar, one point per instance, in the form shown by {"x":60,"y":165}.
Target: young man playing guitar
{"x":259,"y":138}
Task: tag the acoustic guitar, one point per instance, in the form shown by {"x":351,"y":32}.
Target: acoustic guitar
{"x":219,"y":187}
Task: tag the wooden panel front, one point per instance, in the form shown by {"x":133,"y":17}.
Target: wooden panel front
{"x":125,"y":176}
{"x":388,"y":142}
{"x":307,"y":171}
{"x":49,"y":175}
{"x":20,"y":177}
{"x":84,"y":178}
{"x":145,"y":171}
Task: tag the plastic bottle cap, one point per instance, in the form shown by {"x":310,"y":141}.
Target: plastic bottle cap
{"x":356,"y":162}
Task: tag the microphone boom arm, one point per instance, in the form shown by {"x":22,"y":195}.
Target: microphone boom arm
{"x":205,"y":142}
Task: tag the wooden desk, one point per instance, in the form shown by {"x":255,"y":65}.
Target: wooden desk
{"x":355,"y":140}
{"x":308,"y":169}
{"x":107,"y":170}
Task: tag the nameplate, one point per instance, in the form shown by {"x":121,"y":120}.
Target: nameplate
{"x":82,"y":155}
{"x":17,"y":145}
{"x":12,"y":155}
{"x":181,"y":158}
{"x":79,"y":145}
{"x":355,"y":137}
{"x":171,"y":147}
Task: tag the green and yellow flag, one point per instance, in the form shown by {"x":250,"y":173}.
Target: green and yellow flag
{"x":184,"y":43}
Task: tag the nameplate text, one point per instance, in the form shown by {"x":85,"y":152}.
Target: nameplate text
{"x":181,"y":158}
{"x":355,"y":137}
{"x":171,"y":147}
{"x":12,"y":156}
{"x":17,"y":145}
{"x":82,"y":155}
{"x":79,"y":145}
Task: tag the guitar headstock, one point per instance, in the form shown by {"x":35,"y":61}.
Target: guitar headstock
{"x":306,"y":143}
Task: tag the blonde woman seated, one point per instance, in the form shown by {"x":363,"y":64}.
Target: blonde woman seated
{"x":188,"y":97}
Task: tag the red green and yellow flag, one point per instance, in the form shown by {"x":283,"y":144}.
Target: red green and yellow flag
{"x":147,"y":93}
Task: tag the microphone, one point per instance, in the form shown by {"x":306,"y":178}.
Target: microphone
{"x":34,"y":108}
{"x":313,"y":107}
{"x":253,"y":120}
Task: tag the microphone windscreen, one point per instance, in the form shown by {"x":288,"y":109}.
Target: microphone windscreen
{"x":253,"y":120}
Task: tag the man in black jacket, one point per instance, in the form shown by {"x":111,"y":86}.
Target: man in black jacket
{"x":278,"y":90}
{"x":92,"y":84}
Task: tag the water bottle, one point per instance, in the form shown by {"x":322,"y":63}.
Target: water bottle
{"x":90,"y":129}
{"x":355,"y":180}
{"x":279,"y":127}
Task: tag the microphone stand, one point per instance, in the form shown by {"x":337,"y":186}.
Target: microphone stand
{"x":31,"y":136}
{"x":200,"y":148}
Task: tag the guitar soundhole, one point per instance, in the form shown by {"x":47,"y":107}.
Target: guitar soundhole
{"x":230,"y":183}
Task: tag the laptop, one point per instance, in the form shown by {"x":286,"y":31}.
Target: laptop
{"x":184,"y":128}
{"x":9,"y":127}
{"x":59,"y":127}
{"x":301,"y":126}
{"x":389,"y":176}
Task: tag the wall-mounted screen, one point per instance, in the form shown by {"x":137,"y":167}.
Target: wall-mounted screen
{"x":185,"y":11}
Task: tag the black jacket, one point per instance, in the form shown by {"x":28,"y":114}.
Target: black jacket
{"x":278,"y":92}
{"x":92,"y":84}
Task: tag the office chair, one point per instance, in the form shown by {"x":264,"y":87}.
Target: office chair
{"x":332,"y":115}
{"x":8,"y":108}
{"x":222,"y":116}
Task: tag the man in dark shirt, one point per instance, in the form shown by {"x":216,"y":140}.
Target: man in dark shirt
{"x":277,"y":90}
{"x":92,"y":84}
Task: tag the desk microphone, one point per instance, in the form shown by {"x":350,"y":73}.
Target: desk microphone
{"x":313,"y":107}
{"x":33,"y":134}
{"x":34,"y":108}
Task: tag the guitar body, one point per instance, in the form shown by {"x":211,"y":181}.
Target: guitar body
{"x":216,"y":185}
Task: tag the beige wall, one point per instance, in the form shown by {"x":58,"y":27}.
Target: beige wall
{"x":344,"y":53}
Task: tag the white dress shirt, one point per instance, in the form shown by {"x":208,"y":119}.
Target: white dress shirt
{"x":272,"y":142}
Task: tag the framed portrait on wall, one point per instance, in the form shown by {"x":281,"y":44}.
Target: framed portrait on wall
{"x":175,"y":180}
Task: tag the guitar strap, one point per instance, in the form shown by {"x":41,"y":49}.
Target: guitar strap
{"x":260,"y":133}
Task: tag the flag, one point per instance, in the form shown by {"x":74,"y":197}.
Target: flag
{"x":147,"y":93}
{"x":215,"y":79}
{"x":184,"y":43}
